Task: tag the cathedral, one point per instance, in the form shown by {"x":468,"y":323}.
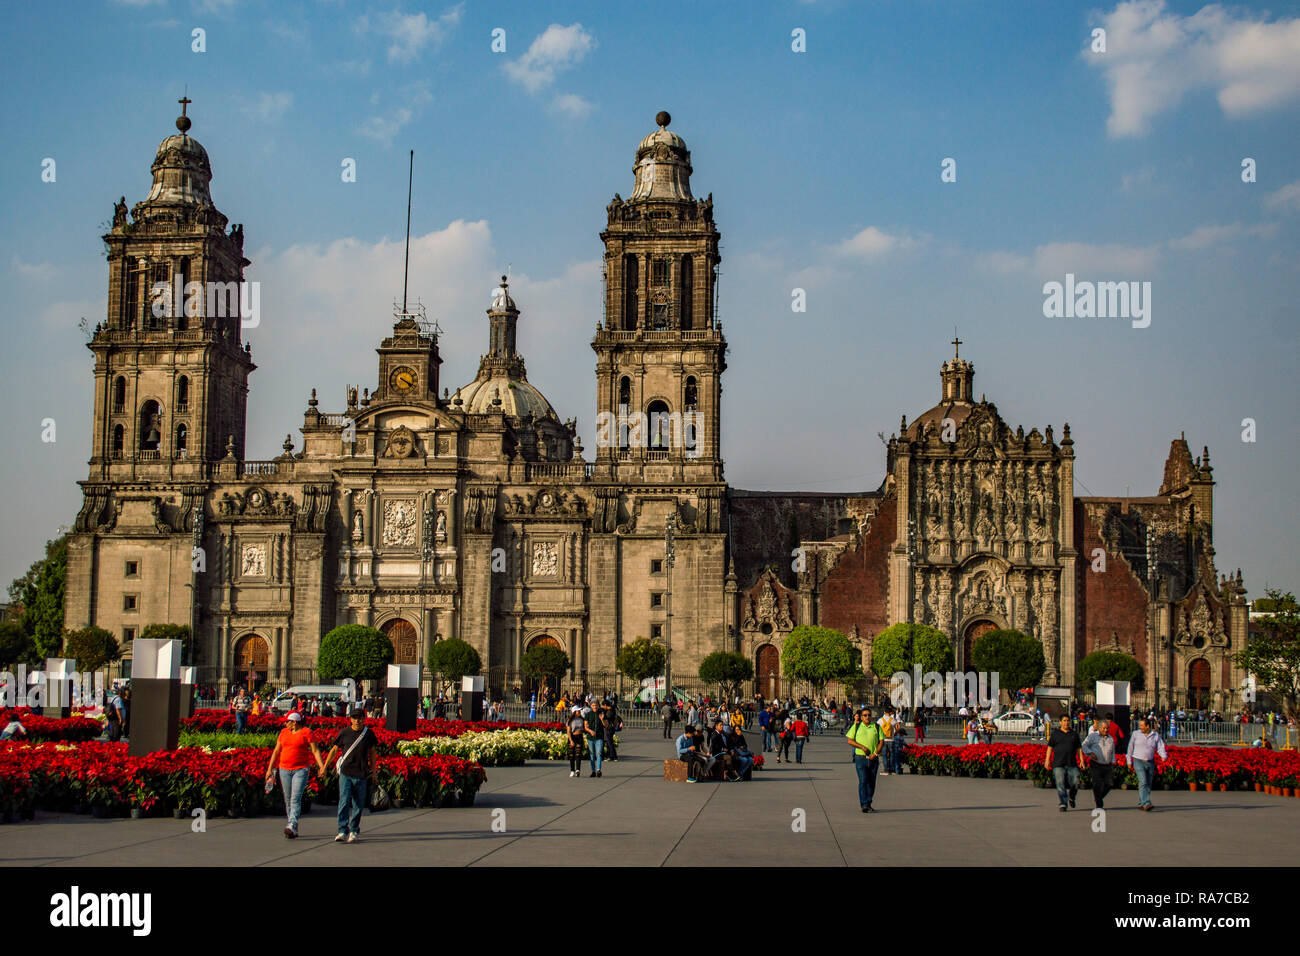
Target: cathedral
{"x":430,"y":510}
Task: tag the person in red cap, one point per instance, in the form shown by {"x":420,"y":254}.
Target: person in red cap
{"x":294,"y":754}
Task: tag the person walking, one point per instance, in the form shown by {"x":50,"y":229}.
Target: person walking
{"x":1064,"y":758}
{"x":1143,"y":747}
{"x":293,"y":756}
{"x":666,"y":714}
{"x":576,"y":731}
{"x":594,"y":730}
{"x":919,"y":721}
{"x":114,"y":714}
{"x":798,"y":730}
{"x":888,"y":724}
{"x":865,"y":738}
{"x":764,"y":719}
{"x":356,"y":765}
{"x":777,"y":727}
{"x":242,"y":706}
{"x":1100,"y":746}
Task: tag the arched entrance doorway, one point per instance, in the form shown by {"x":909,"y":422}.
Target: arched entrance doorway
{"x":1198,"y":683}
{"x":406,"y":644}
{"x":531,"y":684}
{"x":252,"y":661}
{"x":767,"y":671}
{"x":974,"y":631}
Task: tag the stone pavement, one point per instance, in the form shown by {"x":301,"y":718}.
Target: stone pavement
{"x":632,"y":817}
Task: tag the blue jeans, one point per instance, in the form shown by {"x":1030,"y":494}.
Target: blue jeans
{"x":241,"y":721}
{"x":1064,"y":775}
{"x":1146,"y":772}
{"x":866,"y":769}
{"x":798,"y":749}
{"x":596,"y":749}
{"x":352,"y":800}
{"x":743,"y":762}
{"x":767,"y":740}
{"x":293,"y":783}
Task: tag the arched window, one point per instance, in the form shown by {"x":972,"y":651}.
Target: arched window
{"x":692,"y":396}
{"x":629,"y":292}
{"x":160,"y":301}
{"x":182,"y":393}
{"x":119,"y":440}
{"x":130,"y":295}
{"x":625,"y":391}
{"x":148,"y":426}
{"x":686,"y":293}
{"x":119,"y":393}
{"x":659,"y":425}
{"x":182,"y":437}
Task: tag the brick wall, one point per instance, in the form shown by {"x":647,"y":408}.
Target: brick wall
{"x":857,"y":590}
{"x":1113,"y":600}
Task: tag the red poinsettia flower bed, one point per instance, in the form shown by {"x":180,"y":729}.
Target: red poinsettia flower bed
{"x":1237,"y":767}
{"x":51,"y":728}
{"x":101,"y":775}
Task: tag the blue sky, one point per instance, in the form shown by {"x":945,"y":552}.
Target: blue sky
{"x":825,"y":171}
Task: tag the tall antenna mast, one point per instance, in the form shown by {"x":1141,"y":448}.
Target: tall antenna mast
{"x":406,"y":269}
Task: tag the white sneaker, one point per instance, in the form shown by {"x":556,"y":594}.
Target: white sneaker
{"x":572,"y":774}
{"x":341,"y":837}
{"x":352,"y":838}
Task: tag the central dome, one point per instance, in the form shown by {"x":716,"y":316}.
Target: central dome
{"x":519,"y":398}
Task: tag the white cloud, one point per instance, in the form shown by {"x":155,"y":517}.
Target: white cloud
{"x":570,"y":105}
{"x":871,"y":243}
{"x":1202,"y":237}
{"x":411,"y":33}
{"x":1139,"y":177}
{"x":555,"y":50}
{"x":1154,"y":57}
{"x":269,"y":107}
{"x":1287,"y":198}
{"x":39,"y":271}
{"x":385,"y":125}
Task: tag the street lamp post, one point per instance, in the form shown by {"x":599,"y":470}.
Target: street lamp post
{"x":1154,"y":644}
{"x":194,"y":584}
{"x":911,"y":598}
{"x":670,"y":556}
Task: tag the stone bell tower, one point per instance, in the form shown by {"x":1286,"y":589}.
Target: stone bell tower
{"x":171,"y":374}
{"x":660,"y":351}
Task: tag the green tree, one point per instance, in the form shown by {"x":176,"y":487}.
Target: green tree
{"x":1014,"y":656}
{"x":92,"y":647}
{"x":727,"y":669}
{"x":170,"y":632}
{"x":818,"y":655}
{"x":640,"y":659}
{"x":900,"y":647}
{"x":356,"y":651}
{"x":40,"y":593}
{"x":1108,"y":665}
{"x":545,"y":663}
{"x":1272,"y":655}
{"x":453,"y":659}
{"x":15,"y":644}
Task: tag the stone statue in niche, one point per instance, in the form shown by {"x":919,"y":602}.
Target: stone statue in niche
{"x":254,"y":562}
{"x":441,"y":532}
{"x":358,"y":527}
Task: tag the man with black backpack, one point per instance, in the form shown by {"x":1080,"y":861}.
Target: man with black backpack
{"x":776,"y":727}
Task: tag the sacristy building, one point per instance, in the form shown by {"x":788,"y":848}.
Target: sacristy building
{"x":431,"y":509}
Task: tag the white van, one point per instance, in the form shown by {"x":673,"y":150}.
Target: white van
{"x":328,"y":693}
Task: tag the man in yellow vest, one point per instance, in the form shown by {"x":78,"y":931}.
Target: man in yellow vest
{"x":865,"y":737}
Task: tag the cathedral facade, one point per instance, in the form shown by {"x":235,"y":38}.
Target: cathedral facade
{"x":431,"y":512}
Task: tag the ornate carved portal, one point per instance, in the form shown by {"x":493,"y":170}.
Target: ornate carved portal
{"x":406,"y":644}
{"x":1198,"y":683}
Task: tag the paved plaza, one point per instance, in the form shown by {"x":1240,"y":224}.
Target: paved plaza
{"x":631,"y":816}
